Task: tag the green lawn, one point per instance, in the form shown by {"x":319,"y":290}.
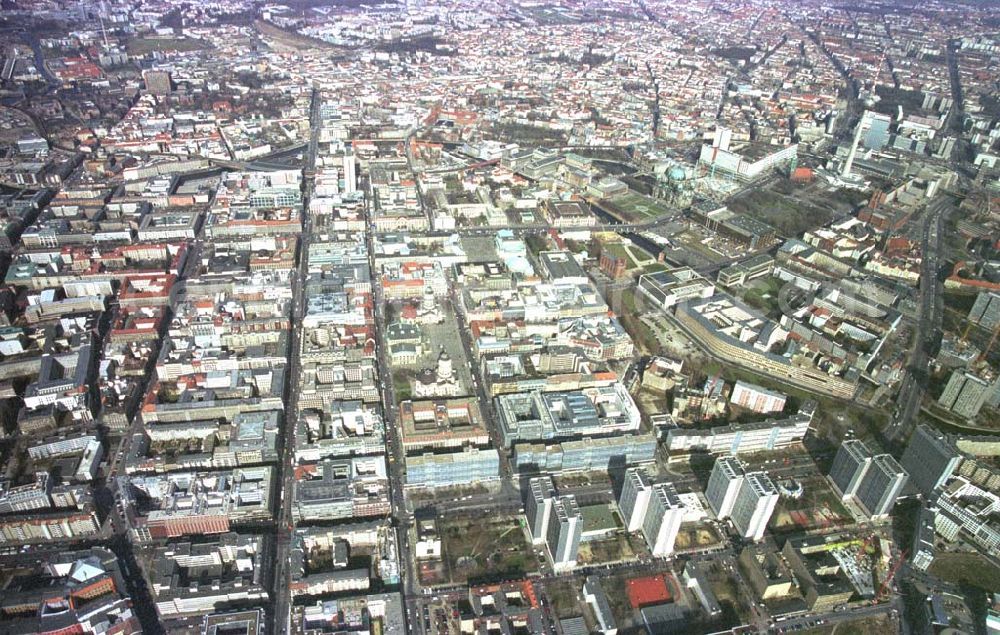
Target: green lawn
{"x":401,"y":385}
{"x":637,"y":207}
{"x":565,"y":597}
{"x":491,"y":548}
{"x":762,"y":294}
{"x":148,"y":45}
{"x":970,"y":568}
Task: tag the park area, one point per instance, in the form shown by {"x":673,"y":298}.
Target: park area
{"x":875,"y":625}
{"x":634,"y":256}
{"x":817,"y":508}
{"x":793,"y":208}
{"x":636,"y":208}
{"x":485,"y":549}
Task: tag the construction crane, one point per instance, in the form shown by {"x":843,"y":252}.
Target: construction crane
{"x":989,"y":347}
{"x":878,"y":70}
{"x":892,"y":574}
{"x":864,"y":548}
{"x":872,"y":97}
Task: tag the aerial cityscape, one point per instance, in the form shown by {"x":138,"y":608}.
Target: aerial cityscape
{"x":499,"y":317}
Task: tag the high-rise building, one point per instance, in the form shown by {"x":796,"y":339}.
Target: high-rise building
{"x":930,"y":459}
{"x":849,"y":466}
{"x":663,"y":519}
{"x":873,"y":481}
{"x":965,"y":394}
{"x":634,"y":499}
{"x":538,"y":507}
{"x":564,"y":532}
{"x":723,"y":485}
{"x":881,"y":484}
{"x":755,"y":503}
{"x":350,"y":173}
{"x":986,"y":310}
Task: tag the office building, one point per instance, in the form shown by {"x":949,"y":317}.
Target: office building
{"x":189,"y":579}
{"x":849,"y":467}
{"x":820,"y":577}
{"x":882,"y":483}
{"x":667,"y":288}
{"x":754,"y":505}
{"x":634,"y":499}
{"x":356,"y":487}
{"x":594,"y":596}
{"x":930,"y":459}
{"x":538,"y":507}
{"x":70,"y":591}
{"x":765,"y":572}
{"x":248,"y":622}
{"x":965,"y":394}
{"x":663,"y":519}
{"x":723,"y":485}
{"x":564,"y":532}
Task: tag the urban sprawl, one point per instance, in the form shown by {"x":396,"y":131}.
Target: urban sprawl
{"x":442,"y":317}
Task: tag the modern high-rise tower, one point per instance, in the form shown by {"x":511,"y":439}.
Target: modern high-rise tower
{"x":564,"y":532}
{"x":723,"y":485}
{"x":663,"y":519}
{"x":881,"y":485}
{"x":849,"y":466}
{"x":872,"y":481}
{"x":755,"y":503}
{"x":634,"y":499}
{"x":350,"y":173}
{"x":538,"y":507}
{"x":930,"y":459}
